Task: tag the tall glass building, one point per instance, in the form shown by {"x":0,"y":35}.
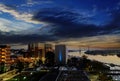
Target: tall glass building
{"x":60,"y":54}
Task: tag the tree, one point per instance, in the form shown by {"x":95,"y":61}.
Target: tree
{"x":104,"y":77}
{"x":50,"y":58}
{"x":2,"y":67}
{"x":20,"y":66}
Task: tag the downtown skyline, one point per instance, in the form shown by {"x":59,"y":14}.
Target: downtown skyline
{"x":94,"y":23}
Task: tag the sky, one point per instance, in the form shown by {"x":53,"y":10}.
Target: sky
{"x":94,"y":23}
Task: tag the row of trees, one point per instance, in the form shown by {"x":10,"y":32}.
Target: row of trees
{"x":91,"y":66}
{"x":2,"y":67}
{"x":86,"y":64}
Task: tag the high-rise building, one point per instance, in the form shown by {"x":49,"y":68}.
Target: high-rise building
{"x":60,"y":54}
{"x":38,"y":50}
{"x":48,"y":48}
{"x":5,"y":55}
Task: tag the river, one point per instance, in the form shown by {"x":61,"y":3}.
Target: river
{"x":106,"y":59}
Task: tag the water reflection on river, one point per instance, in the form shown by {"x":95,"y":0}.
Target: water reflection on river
{"x":106,"y":59}
{"x":114,"y":59}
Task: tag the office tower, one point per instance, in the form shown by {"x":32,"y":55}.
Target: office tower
{"x":48,"y":47}
{"x":36,"y":50}
{"x":60,"y":54}
{"x":5,"y":56}
{"x":39,"y":50}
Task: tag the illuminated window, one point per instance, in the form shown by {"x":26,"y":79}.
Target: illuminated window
{"x":3,"y":50}
{"x":3,"y":57}
{"x":3,"y":60}
{"x":3,"y":53}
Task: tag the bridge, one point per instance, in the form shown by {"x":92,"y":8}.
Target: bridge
{"x":110,"y":72}
{"x":72,"y":76}
{"x":113,"y":72}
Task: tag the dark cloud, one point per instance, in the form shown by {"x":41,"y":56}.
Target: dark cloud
{"x":64,"y":23}
{"x":67,"y":23}
{"x":56,"y":16}
{"x":114,"y":25}
{"x":23,"y":38}
{"x":70,"y":24}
